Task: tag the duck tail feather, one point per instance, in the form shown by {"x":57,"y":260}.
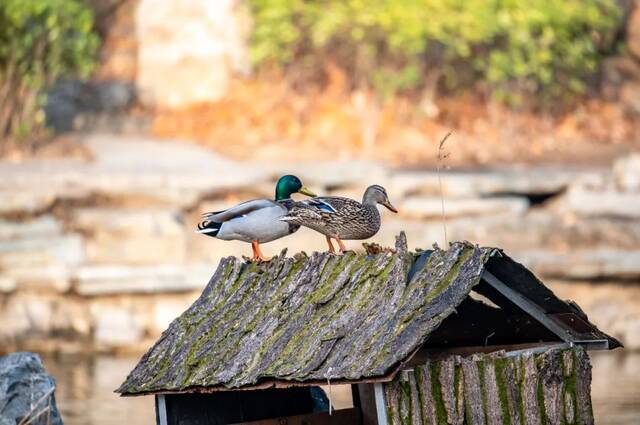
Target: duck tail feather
{"x":209,"y":228}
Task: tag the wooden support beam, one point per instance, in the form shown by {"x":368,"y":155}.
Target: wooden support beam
{"x":381,"y":408}
{"x":161,"y":410}
{"x":528,"y":306}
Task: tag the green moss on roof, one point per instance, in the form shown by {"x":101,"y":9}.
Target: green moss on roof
{"x":307,"y":318}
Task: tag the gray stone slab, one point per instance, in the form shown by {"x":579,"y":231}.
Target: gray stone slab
{"x":431,"y":207}
{"x":585,"y":264}
{"x":38,"y":227}
{"x":109,"y":280}
{"x":26,"y":389}
{"x":35,"y":252}
{"x":535,"y":180}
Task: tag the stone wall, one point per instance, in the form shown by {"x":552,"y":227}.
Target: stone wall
{"x":101,"y":254}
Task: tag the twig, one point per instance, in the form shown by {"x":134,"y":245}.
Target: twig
{"x":25,"y":419}
{"x":442,"y":155}
{"x":31,"y":419}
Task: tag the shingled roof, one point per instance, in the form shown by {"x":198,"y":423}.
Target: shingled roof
{"x":355,"y":317}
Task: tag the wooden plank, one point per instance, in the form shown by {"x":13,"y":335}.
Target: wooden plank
{"x":338,"y":417}
{"x":381,"y":408}
{"x":367,"y":404}
{"x":161,"y":410}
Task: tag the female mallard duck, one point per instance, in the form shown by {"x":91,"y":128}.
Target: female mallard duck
{"x":341,"y":218}
{"x":256,"y":221}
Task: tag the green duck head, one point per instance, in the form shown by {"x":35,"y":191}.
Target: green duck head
{"x":288,"y":185}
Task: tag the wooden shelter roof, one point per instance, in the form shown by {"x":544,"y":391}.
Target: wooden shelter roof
{"x":304,"y":320}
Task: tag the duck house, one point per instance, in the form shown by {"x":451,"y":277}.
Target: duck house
{"x":460,"y":336}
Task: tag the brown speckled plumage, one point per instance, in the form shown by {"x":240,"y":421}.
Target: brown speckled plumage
{"x":342,"y":218}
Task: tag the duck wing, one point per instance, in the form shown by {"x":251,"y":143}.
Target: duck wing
{"x":318,"y":208}
{"x":239,"y":210}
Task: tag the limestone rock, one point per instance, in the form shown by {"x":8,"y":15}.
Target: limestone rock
{"x":539,"y":180}
{"x":52,"y":277}
{"x":588,"y":264}
{"x":609,"y":305}
{"x":626,"y":172}
{"x":23,"y":383}
{"x":109,"y":280}
{"x":431,"y":207}
{"x":587,"y":202}
{"x":65,"y":250}
{"x":188,"y":50}
{"x":114,"y":326}
{"x":143,"y":236}
{"x":38,"y":227}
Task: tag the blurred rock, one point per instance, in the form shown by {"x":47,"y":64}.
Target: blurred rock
{"x":626,"y":172}
{"x":167,"y":172}
{"x":430,"y":208}
{"x":52,"y":277}
{"x":612,"y":307}
{"x":25,"y":390}
{"x":594,"y":264}
{"x":29,"y":202}
{"x":188,"y":50}
{"x":166,"y":310}
{"x":532,"y":181}
{"x":610,"y":202}
{"x":131,"y":236}
{"x":163,"y":222}
{"x":38,"y":227}
{"x":7,"y":284}
{"x":39,"y":251}
{"x":335,"y":174}
{"x":68,"y":102}
{"x":114,"y":326}
{"x":108,"y":280}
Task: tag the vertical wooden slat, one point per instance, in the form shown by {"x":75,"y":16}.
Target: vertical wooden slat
{"x":550,"y":372}
{"x":416,"y":410}
{"x":391,"y":395}
{"x":447,"y":388}
{"x":493,"y":406}
{"x":569,"y":390}
{"x":428,"y":408}
{"x":583,"y":386}
{"x":509,"y":377}
{"x":529,"y":391}
{"x":472,"y":393}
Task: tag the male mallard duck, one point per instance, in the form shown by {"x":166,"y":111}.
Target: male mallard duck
{"x":341,"y":218}
{"x":256,"y":221}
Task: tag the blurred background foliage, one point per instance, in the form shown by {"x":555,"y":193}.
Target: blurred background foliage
{"x":40,"y":41}
{"x":512,"y":50}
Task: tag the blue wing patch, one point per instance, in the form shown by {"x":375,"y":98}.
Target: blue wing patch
{"x":321,"y":205}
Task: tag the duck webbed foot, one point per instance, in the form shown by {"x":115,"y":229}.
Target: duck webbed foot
{"x":343,"y":248}
{"x":257,"y":253}
{"x":332,"y":250}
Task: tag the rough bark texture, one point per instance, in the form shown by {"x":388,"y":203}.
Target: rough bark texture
{"x":308,"y":318}
{"x":548,"y":388}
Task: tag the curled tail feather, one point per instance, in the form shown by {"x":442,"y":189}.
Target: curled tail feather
{"x":209,"y":228}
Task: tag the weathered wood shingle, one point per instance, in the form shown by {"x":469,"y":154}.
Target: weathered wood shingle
{"x":349,"y":317}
